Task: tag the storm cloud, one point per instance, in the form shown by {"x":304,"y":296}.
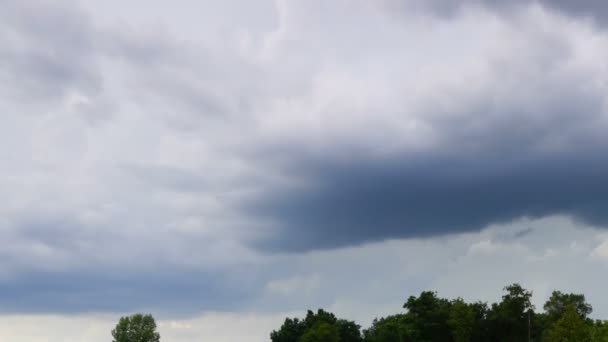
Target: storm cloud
{"x":358,"y":201}
{"x":596,"y":10}
{"x":513,"y":137}
{"x":160,"y":157}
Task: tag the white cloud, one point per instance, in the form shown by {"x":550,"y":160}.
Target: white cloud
{"x":374,"y":280}
{"x":295,"y":286}
{"x":161,"y":148}
{"x":131,"y":136}
{"x":221,"y":327}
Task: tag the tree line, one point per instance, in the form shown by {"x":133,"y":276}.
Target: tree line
{"x":430,"y":318}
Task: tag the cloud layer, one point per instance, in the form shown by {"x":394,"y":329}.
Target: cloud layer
{"x":185,"y":155}
{"x":511,"y":125}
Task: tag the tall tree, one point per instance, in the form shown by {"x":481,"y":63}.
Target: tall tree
{"x":571,"y":327}
{"x":316,"y":324}
{"x":349,"y":331}
{"x":467,"y":321}
{"x":321,"y":332}
{"x":388,"y":329}
{"x":290,"y":331}
{"x":136,"y":328}
{"x":511,"y":319}
{"x":430,"y":318}
{"x":558,"y":302}
{"x":429,"y":315}
{"x":321,"y":315}
{"x":599,"y":331}
{"x":461,"y":321}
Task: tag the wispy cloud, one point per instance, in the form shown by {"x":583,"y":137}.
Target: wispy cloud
{"x":179,"y":158}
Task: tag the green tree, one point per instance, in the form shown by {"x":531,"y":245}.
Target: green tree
{"x":429,"y":317}
{"x":315,"y":323}
{"x":467,"y":321}
{"x":558,"y":302}
{"x":349,"y":331}
{"x":321,"y":332}
{"x":312,"y":318}
{"x":599,"y":331}
{"x":571,"y":327}
{"x":136,"y":328}
{"x":290,"y":331}
{"x":388,"y":329}
{"x":540,"y":322}
{"x":461,"y":321}
{"x":510,"y":320}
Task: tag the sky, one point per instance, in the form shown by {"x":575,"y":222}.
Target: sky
{"x":225,"y":164}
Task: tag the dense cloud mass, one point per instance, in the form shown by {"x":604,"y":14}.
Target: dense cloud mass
{"x":180,"y":158}
{"x":357,"y":201}
{"x":516,"y":136}
{"x":595,"y":9}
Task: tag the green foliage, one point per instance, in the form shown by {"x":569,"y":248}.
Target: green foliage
{"x":461,"y":321}
{"x":571,"y":327}
{"x":321,"y":323}
{"x":558,"y":302}
{"x":349,"y":331}
{"x":388,"y":329}
{"x":430,"y":318}
{"x":290,"y":331}
{"x":511,"y":319}
{"x":136,"y":328}
{"x":321,"y":332}
{"x":540,"y":322}
{"x":599,"y":331}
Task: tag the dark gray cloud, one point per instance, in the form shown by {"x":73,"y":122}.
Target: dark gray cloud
{"x":154,"y":206}
{"x":174,"y":292}
{"x":533,"y":148}
{"x":594,"y":9}
{"x":358,"y":201}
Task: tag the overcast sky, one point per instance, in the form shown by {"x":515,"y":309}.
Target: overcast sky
{"x":223,"y":164}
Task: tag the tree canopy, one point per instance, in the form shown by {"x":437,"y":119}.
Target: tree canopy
{"x":570,"y":327}
{"x":319,"y":326}
{"x":430,"y":318}
{"x":136,"y":328}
